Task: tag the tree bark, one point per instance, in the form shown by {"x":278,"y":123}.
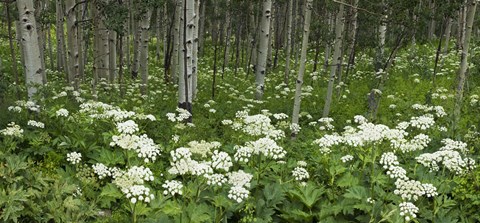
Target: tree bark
{"x":470,"y":16}
{"x":143,"y":49}
{"x":29,"y":41}
{"x":73,"y":73}
{"x":301,"y":71}
{"x":61,"y":56}
{"x":337,"y":57}
{"x":260,"y":68}
{"x":288,"y":42}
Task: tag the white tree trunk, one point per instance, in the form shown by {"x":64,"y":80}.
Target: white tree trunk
{"x":100,"y":49}
{"x":470,"y":16}
{"x":112,"y":49}
{"x":73,"y":73}
{"x":260,"y":68}
{"x":188,"y":45}
{"x":448,"y":31}
{"x":337,"y":58}
{"x":288,"y":41}
{"x":176,"y":42}
{"x":195,"y":50}
{"x":143,"y":49}
{"x":61,"y":56}
{"x":29,"y":41}
{"x":301,"y":71}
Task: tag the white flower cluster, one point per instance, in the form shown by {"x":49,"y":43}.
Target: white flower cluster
{"x":62,"y":112}
{"x":238,"y":194}
{"x":142,"y":145}
{"x":243,"y":153}
{"x":101,"y":170}
{"x":216,"y":179}
{"x":326,"y":123}
{"x":100,"y":110}
{"x":437,"y":110}
{"x":267,"y":147}
{"x":182,"y":115}
{"x":16,"y":109}
{"x":136,"y":175}
{"x":423,"y":122}
{"x":450,"y":144}
{"x":300,"y":173}
{"x":172,"y":187}
{"x":328,"y":141}
{"x":29,"y":105}
{"x":203,"y":148}
{"x":12,"y":130}
{"x":295,"y":128}
{"x":280,"y":116}
{"x":221,"y":160}
{"x":409,"y":210}
{"x":359,"y":119}
{"x":390,"y":164}
{"x":412,"y":189}
{"x":346,"y":158}
{"x":127,"y":127}
{"x":419,"y":142}
{"x":183,"y":164}
{"x":138,"y":193}
{"x":256,"y":125}
{"x":74,"y":157}
{"x":36,"y":124}
{"x":450,"y":156}
{"x":240,"y":181}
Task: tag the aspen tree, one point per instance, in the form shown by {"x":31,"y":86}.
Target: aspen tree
{"x":461,"y":77}
{"x":31,"y":50}
{"x":61,"y":56}
{"x":143,"y":48}
{"x":301,"y":71}
{"x":337,"y":56}
{"x":260,"y":68}
{"x":72,"y":52}
{"x":288,"y":41}
{"x":195,"y":49}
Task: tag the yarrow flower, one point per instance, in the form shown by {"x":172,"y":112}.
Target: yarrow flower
{"x":127,"y":127}
{"x":221,"y":160}
{"x":74,"y":157}
{"x":138,"y":193}
{"x":12,"y":130}
{"x":300,"y":173}
{"x":408,"y":210}
{"x":36,"y":124}
{"x":216,"y":179}
{"x":238,"y":194}
{"x":346,"y":158}
{"x":62,"y":112}
{"x":172,"y":187}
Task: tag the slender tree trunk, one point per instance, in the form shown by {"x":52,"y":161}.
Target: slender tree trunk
{"x":143,"y":49}
{"x":100,"y":49}
{"x":448,"y":31}
{"x":260,"y":68}
{"x":201,"y":32}
{"x":328,"y":48}
{"x":33,"y":65}
{"x":301,"y":71}
{"x":83,"y":40}
{"x":288,"y":41}
{"x":227,"y":37}
{"x":41,"y":37}
{"x":352,"y":39}
{"x":61,"y":56}
{"x":11,"y":45}
{"x":337,"y":56}
{"x":158,"y":33}
{"x":461,"y":21}
{"x":432,"y":23}
{"x":72,"y":52}
{"x":195,"y":49}
{"x":112,"y":45}
{"x":176,"y":44}
{"x":461,"y":78}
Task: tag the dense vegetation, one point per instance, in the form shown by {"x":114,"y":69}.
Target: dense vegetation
{"x":118,"y":154}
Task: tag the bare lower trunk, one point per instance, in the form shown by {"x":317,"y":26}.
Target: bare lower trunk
{"x":301,"y":71}
{"x":470,"y":15}
{"x":260,"y":68}
{"x":337,"y":56}
{"x":288,"y":41}
{"x":29,"y":41}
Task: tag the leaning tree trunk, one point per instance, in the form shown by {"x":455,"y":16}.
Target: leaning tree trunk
{"x":288,"y":42}
{"x":29,"y":40}
{"x":470,"y":16}
{"x":262,"y":49}
{"x":143,"y":49}
{"x":337,"y":56}
{"x":301,"y":71}
{"x":73,"y":72}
